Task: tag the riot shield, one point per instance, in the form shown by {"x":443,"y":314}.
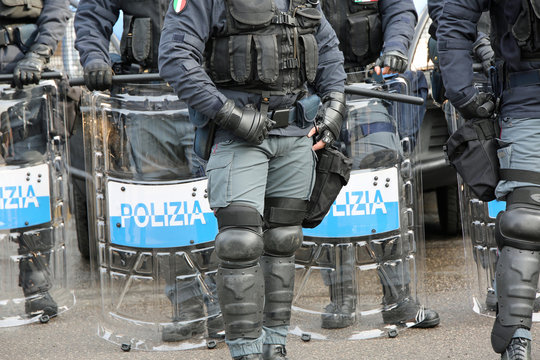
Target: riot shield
{"x":34,"y":264}
{"x":359,"y":273}
{"x":481,"y":251}
{"x":150,"y":218}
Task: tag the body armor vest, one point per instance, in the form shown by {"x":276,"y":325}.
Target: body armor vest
{"x":264,"y":49}
{"x":358,"y":26}
{"x":523,"y":19}
{"x":20,"y":11}
{"x":143,"y":20}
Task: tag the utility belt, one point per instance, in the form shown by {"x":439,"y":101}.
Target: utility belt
{"x":23,"y":35}
{"x":303,"y":114}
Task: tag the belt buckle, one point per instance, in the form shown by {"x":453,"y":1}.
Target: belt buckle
{"x":281,"y":117}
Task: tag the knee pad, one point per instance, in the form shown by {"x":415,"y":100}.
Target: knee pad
{"x":240,"y":234}
{"x":283,"y":241}
{"x":519,"y":225}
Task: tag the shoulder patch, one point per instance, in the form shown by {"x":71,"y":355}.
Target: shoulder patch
{"x":179,"y":5}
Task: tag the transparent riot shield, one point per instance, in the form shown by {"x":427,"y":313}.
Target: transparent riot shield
{"x":359,"y":273}
{"x":34,"y":264}
{"x":478,"y":223}
{"x":151,"y":221}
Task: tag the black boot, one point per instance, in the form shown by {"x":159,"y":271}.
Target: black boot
{"x":34,"y":273}
{"x":400,"y":309}
{"x":341,"y":312}
{"x":188,"y":314}
{"x":274,"y":352}
{"x":518,"y":349}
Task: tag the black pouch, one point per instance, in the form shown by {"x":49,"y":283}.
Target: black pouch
{"x":333,"y":172}
{"x":472,"y":151}
{"x":205,"y":131}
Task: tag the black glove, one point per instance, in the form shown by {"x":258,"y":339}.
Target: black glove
{"x":484,"y":53}
{"x":98,"y":75}
{"x":28,"y":69}
{"x":481,"y":105}
{"x":331,"y":118}
{"x":395,"y":60}
{"x":247,"y":122}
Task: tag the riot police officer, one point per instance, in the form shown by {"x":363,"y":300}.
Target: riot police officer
{"x":29,"y":34}
{"x":514,"y":32}
{"x":157,"y":153}
{"x":245,"y":65}
{"x":372,"y":33}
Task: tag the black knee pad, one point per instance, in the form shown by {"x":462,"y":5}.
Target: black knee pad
{"x":519,"y":225}
{"x":240,"y":234}
{"x":283,"y":241}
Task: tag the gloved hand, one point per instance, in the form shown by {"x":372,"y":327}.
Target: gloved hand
{"x":394,"y":60}
{"x":484,"y":53}
{"x":28,"y":69}
{"x":98,"y":75}
{"x":331,"y":118}
{"x":481,"y":105}
{"x":247,"y":122}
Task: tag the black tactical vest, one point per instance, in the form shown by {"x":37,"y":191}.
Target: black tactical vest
{"x":358,"y":26}
{"x":524,"y":26}
{"x":264,"y":49}
{"x":20,"y":11}
{"x":143,"y":20}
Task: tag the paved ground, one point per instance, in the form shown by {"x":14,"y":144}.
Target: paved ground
{"x":462,"y":333}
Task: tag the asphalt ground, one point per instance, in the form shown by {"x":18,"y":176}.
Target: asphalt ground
{"x":462,"y":334}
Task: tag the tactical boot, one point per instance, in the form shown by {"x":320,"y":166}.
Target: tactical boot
{"x":181,"y":330}
{"x":187,"y":320}
{"x":407,"y":312}
{"x":249,"y":357}
{"x":518,"y":349}
{"x":337,"y":316}
{"x":399,"y":308}
{"x":273,"y":352}
{"x":341,"y":312}
{"x":41,"y":303}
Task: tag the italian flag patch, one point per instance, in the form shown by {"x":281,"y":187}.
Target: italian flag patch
{"x":179,"y":5}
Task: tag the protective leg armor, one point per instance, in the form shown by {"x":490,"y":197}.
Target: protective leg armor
{"x":283,"y":237}
{"x":240,"y":281}
{"x":517,"y":231}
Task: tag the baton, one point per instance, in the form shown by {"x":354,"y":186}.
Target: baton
{"x":116,"y":79}
{"x":384,"y":95}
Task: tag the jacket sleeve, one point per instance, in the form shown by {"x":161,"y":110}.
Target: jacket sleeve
{"x":456,"y":34}
{"x":330,"y":72}
{"x":94,"y":21}
{"x":435,"y":9}
{"x":181,"y":53}
{"x":399,"y":20}
{"x":52,"y":22}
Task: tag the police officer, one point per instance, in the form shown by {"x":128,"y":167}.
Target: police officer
{"x":30,"y":31}
{"x":245,"y":65}
{"x":161,"y":148}
{"x":514,"y":32}
{"x":372,"y":33}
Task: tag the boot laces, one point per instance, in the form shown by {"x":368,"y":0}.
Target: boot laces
{"x":517,"y":349}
